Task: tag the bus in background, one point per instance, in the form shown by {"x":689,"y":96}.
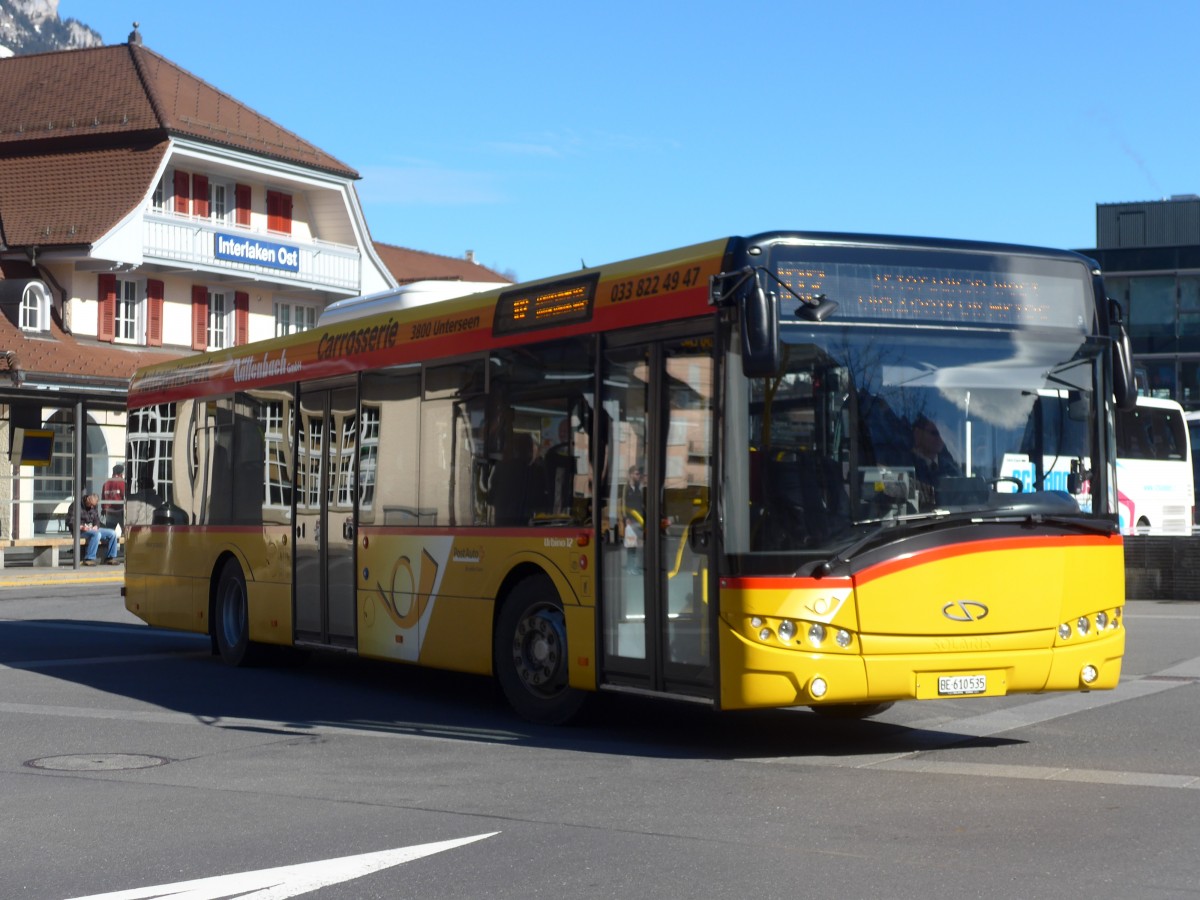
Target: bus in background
{"x":767,"y":471}
{"x":1193,"y":425}
{"x":1155,"y":478}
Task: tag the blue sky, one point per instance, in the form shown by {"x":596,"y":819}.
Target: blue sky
{"x":544,"y":134}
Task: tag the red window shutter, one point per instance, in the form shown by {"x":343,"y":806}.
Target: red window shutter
{"x":106,"y":319}
{"x":199,"y":317}
{"x":279,"y":212}
{"x":241,"y":195}
{"x":154,"y":312}
{"x":200,"y":195}
{"x":273,"y":210}
{"x":183,"y":195}
{"x":241,"y":318}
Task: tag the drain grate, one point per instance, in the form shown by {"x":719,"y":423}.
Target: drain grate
{"x":98,"y":762}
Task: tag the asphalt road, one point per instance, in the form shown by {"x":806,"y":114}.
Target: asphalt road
{"x":132,"y":761}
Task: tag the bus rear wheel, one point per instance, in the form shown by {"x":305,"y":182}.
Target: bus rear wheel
{"x":529,"y":654}
{"x":231,"y":616}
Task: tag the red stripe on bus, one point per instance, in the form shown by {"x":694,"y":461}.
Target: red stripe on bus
{"x":920,"y":558}
{"x":991,"y":545}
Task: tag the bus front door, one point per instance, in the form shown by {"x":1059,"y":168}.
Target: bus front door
{"x":323,"y":526}
{"x":657,"y":618}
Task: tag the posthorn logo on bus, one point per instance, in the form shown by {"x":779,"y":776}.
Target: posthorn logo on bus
{"x":965,"y":611}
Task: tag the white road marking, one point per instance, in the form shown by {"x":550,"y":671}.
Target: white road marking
{"x":287,"y":881}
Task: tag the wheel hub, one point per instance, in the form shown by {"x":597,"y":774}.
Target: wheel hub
{"x":537,"y":650}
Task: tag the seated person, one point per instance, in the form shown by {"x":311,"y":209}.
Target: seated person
{"x":931,"y":460}
{"x":91,"y":528}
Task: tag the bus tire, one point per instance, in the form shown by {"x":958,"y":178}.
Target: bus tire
{"x":851,"y":710}
{"x":529,"y":654}
{"x":231,"y":616}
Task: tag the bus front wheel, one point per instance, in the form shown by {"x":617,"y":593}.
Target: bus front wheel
{"x":530,"y":654}
{"x":231,"y":616}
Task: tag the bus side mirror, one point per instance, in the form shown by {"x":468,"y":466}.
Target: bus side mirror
{"x":1124,"y":382}
{"x":1124,"y":386}
{"x":759,"y":311}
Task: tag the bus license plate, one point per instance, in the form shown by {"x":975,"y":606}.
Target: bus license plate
{"x":962,"y":684}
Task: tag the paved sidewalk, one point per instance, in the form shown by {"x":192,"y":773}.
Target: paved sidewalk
{"x":22,"y":573}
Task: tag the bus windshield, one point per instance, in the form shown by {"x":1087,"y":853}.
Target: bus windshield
{"x":869,"y":424}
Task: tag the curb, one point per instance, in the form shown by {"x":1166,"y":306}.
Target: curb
{"x":35,"y":579}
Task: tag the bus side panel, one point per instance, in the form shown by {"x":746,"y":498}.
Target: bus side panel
{"x":169,"y":578}
{"x":161,"y":579}
{"x":270,"y":612}
{"x":145,"y":597}
{"x":430,"y":598}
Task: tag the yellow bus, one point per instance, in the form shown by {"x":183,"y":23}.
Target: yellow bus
{"x":767,"y":471}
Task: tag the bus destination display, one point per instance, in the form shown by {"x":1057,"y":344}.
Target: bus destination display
{"x":945,"y":296}
{"x":544,"y":305}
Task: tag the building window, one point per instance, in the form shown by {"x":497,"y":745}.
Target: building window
{"x":293,"y":317}
{"x":219,"y":321}
{"x":52,"y":484}
{"x":220,"y":202}
{"x":127,"y":321}
{"x":158,"y":199}
{"x":35,"y":307}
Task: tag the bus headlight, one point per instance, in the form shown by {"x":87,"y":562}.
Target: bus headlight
{"x":816,"y":634}
{"x":817,"y":687}
{"x":1064,"y":631}
{"x":842,"y":638}
{"x":1088,"y":674}
{"x":787,"y":630}
{"x":1083,"y":625}
{"x":1101,"y":621}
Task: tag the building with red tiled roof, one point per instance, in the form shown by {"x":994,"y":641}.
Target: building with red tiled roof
{"x":408,"y":266}
{"x":145,"y":215}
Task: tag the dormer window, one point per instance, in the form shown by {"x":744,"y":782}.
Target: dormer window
{"x":35,"y":307}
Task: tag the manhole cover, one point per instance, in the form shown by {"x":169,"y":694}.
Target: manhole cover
{"x":98,"y":762}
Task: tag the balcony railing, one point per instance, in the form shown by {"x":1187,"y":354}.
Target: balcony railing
{"x":321,"y":264}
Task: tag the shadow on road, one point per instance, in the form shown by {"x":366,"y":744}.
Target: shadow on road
{"x":176,"y":672}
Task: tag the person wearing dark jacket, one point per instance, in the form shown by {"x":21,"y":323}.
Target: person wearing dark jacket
{"x":91,"y":528}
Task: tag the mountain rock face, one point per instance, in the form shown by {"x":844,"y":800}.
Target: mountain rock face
{"x":33,"y":26}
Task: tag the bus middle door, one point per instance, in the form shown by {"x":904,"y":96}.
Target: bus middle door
{"x":657,"y":619}
{"x":323,"y":530}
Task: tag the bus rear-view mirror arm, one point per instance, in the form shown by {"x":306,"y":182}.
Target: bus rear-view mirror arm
{"x":758,"y":312}
{"x":1124,"y":386}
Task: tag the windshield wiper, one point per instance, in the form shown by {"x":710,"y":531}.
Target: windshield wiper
{"x":1079,"y":523}
{"x":882,"y":532}
{"x":883,"y":525}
